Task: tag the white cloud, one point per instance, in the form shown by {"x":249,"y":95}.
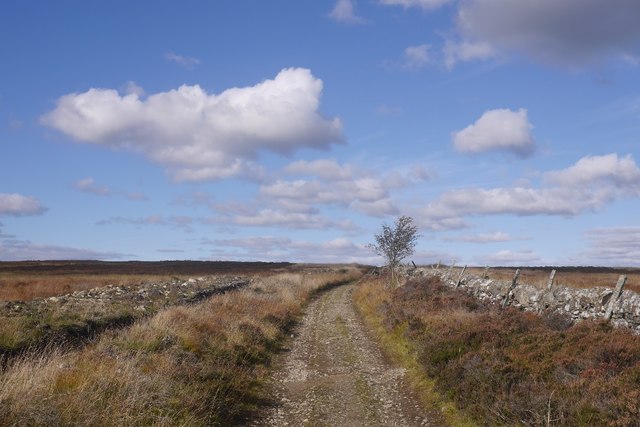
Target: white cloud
{"x":420,"y":173}
{"x":19,"y":205}
{"x":378,"y":208}
{"x":340,"y":185}
{"x":88,"y":185}
{"x":569,"y":32}
{"x":494,"y":237}
{"x":199,"y":136}
{"x":132,"y":88}
{"x":170,"y":251}
{"x":423,"y":4}
{"x":344,"y":11}
{"x":290,"y":220}
{"x":416,"y":57}
{"x":508,"y":257}
{"x":516,"y":200}
{"x":500,"y":129}
{"x":184,"y":61}
{"x":177,"y":221}
{"x":322,"y":168}
{"x":328,"y":183}
{"x":521,"y":201}
{"x":464,"y":51}
{"x":269,"y":214}
{"x":19,"y":250}
{"x":567,"y":192}
{"x":436,"y":223}
{"x":620,"y":171}
{"x":268,"y":248}
{"x":613,"y":246}
{"x":318,"y":192}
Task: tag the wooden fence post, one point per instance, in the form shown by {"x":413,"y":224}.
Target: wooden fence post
{"x":450,"y":270}
{"x":617,"y":292}
{"x":485,"y":275}
{"x":461,"y":277}
{"x":552,"y":277}
{"x":514,"y":282}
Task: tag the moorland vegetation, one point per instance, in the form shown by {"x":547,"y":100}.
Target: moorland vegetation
{"x":504,"y":366}
{"x":199,"y":364}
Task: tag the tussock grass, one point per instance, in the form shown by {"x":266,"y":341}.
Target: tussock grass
{"x":74,"y":319}
{"x":196,"y":365}
{"x":507,"y":367}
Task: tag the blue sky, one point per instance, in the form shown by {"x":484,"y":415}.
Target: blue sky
{"x":292,"y":130}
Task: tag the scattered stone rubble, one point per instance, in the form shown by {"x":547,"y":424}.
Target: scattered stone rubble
{"x":578,"y":304}
{"x":144,"y":298}
{"x":77,"y":318}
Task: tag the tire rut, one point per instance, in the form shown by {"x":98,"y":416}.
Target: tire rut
{"x":336,"y":375}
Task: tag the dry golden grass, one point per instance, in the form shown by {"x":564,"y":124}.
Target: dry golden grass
{"x":80,"y":318}
{"x":197,"y":365}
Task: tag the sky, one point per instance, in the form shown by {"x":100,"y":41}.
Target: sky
{"x":290,"y":130}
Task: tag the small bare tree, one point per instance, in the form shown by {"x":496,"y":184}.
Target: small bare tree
{"x":396,"y":243}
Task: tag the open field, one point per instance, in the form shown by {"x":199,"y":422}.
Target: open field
{"x":194,"y":344}
{"x":197,"y":364}
{"x":23,"y":281}
{"x":505,"y":366}
{"x":86,"y":297}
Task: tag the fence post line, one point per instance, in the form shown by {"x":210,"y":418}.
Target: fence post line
{"x":514,"y":282}
{"x":617,"y":292}
{"x":552,"y":277}
{"x":450,"y":270}
{"x":461,"y":276}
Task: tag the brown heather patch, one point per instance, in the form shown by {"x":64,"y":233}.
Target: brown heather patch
{"x":196,"y":365}
{"x":507,"y":367}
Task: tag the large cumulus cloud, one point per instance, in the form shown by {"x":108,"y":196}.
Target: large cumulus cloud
{"x":201,"y":136}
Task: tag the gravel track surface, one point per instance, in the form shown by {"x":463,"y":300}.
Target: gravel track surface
{"x":335,"y":375}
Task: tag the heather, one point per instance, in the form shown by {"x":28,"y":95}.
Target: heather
{"x":508,"y":367}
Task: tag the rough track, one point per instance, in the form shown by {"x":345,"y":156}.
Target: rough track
{"x":335,"y":375}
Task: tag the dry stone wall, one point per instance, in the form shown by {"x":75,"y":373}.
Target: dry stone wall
{"x":578,"y":304}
